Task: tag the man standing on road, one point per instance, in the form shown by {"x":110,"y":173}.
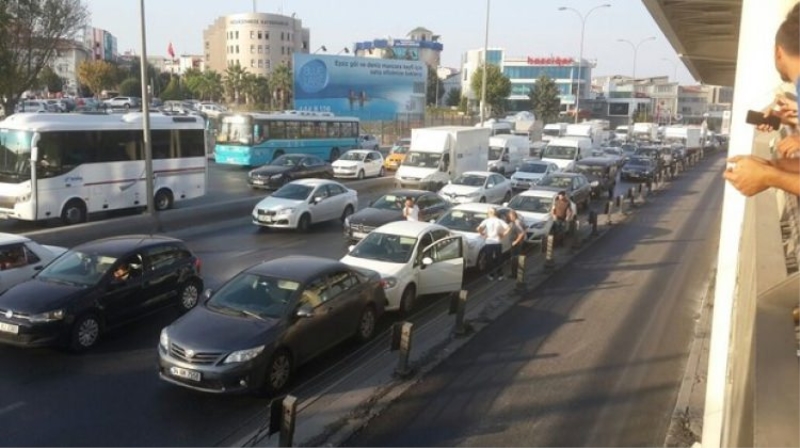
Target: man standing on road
{"x":411,"y":211}
{"x":517,"y":232}
{"x":493,"y":230}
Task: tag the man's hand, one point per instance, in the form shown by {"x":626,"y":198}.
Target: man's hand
{"x":783,"y":108}
{"x":789,"y":146}
{"x":749,"y":175}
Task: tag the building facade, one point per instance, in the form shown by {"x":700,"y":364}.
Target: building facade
{"x":568,"y":74}
{"x":68,"y":56}
{"x":421,"y":45}
{"x":101,"y":44}
{"x":258,"y":42}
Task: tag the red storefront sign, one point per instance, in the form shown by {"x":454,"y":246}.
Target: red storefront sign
{"x":550,"y":61}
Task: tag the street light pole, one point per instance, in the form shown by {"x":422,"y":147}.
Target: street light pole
{"x":483,"y":78}
{"x":635,"y":56}
{"x":674,"y":105}
{"x":148,"y":147}
{"x":583,"y":18}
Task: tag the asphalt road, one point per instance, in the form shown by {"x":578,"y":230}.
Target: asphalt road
{"x":112,"y":396}
{"x":592,"y":358}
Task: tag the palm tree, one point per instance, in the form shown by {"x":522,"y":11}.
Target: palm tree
{"x":234,"y":77}
{"x":210,"y":85}
{"x":261,"y":90}
{"x":281,"y":85}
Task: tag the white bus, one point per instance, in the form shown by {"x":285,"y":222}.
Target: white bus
{"x":70,"y":165}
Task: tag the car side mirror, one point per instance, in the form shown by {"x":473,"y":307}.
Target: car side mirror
{"x":207,"y":295}
{"x":351,"y":247}
{"x":304,"y":312}
{"x":427,"y":261}
{"x":505,"y":204}
{"x":318,"y":199}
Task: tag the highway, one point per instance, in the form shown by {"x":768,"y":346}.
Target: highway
{"x":594,"y":357}
{"x":112,"y":396}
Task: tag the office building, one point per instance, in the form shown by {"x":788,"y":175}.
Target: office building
{"x":420,"y":45}
{"x":101,"y":44}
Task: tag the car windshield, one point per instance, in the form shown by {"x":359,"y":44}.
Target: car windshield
{"x":470,"y":180}
{"x":292,"y":160}
{"x":495,"y":152}
{"x":531,"y":204}
{"x":591,"y":170}
{"x":612,"y":151}
{"x":533,"y":168}
{"x":559,"y":152}
{"x":389,"y":202}
{"x":628,"y":148}
{"x":353,"y":155}
{"x":385,"y":247}
{"x":638,"y":162}
{"x":254,"y":295}
{"x":15,"y":155}
{"x":462,"y":220}
{"x":295,"y":192}
{"x":422,"y":159}
{"x":235,"y":133}
{"x":77,"y":268}
{"x":556,"y":181}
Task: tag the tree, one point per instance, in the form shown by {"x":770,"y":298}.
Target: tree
{"x":30,"y":33}
{"x":234,"y":81}
{"x":281,"y":86}
{"x":175,"y":91}
{"x":209,"y":86}
{"x":435,"y":87}
{"x":453,"y":97}
{"x":463,"y":104}
{"x":96,"y":75}
{"x":131,"y":87}
{"x":50,"y":80}
{"x":545,"y":101}
{"x":256,"y":89}
{"x":498,"y":87}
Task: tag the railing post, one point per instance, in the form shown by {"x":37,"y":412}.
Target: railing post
{"x":458,"y":306}
{"x":609,"y":211}
{"x":520,"y":271}
{"x":593,"y":222}
{"x":620,"y":204}
{"x":288,"y":421}
{"x":549,"y":262}
{"x":631,"y":197}
{"x":402,"y":333}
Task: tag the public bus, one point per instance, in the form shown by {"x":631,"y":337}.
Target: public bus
{"x":70,"y":165}
{"x":254,"y":139}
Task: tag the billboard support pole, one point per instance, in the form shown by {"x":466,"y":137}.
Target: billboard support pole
{"x":485,"y":59}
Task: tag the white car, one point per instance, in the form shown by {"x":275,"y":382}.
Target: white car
{"x":530,"y":173}
{"x":21,"y":258}
{"x":464,"y":220}
{"x":301,"y":203}
{"x":534,"y":206}
{"x":414,"y":258}
{"x":368,"y":141}
{"x":358,"y":164}
{"x":477,"y":186}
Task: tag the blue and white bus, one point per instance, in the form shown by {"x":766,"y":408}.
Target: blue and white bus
{"x":254,"y":139}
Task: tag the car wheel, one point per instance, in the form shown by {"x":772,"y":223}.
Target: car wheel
{"x":74,"y":212}
{"x":347,"y":212}
{"x":407,"y":299}
{"x":163,"y":200}
{"x":367,"y":324}
{"x":189,"y":295}
{"x":361,"y":175}
{"x":382,"y":172}
{"x":279,"y":371}
{"x":85,"y":332}
{"x":304,"y":224}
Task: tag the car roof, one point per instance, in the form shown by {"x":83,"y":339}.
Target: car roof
{"x":118,"y":246}
{"x":478,"y":173}
{"x":10,"y":238}
{"x":537,"y":162}
{"x":299,"y":268}
{"x":477,"y":207}
{"x":411,"y":229}
{"x":596,"y":161}
{"x":315,"y":182}
{"x":539,"y":193}
{"x":564,"y":174}
{"x":408,"y":193}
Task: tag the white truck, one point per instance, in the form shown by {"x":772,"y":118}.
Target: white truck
{"x":691,"y":137}
{"x":506,"y":153}
{"x":553,"y":131}
{"x":564,"y":152}
{"x":440,"y":154}
{"x":645,"y":132}
{"x":621,"y":133}
{"x":497,"y":126}
{"x":594,"y":131}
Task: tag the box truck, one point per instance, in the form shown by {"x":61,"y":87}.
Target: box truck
{"x":440,"y":154}
{"x":506,"y":153}
{"x":553,"y":131}
{"x":564,"y":152}
{"x":645,"y":132}
{"x":691,"y":137}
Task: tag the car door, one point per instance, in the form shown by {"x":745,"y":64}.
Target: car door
{"x":161,"y":274}
{"x":122,"y":299}
{"x":17,"y":264}
{"x":500,"y":187}
{"x":445,"y":273}
{"x":343,"y":302}
{"x":338,"y":197}
{"x":317,"y":168}
{"x":372,"y":164}
{"x":321,"y":205}
{"x":305,"y":335}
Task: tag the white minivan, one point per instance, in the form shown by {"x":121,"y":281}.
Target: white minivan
{"x":564,"y":152}
{"x":506,"y":153}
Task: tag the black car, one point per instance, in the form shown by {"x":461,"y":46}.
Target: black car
{"x":389,"y":208}
{"x":287,"y":168}
{"x":601,"y":172}
{"x":575,"y":185}
{"x":261,"y":325}
{"x":628,"y":151}
{"x":652,"y":152}
{"x":638,"y":169}
{"x":97,"y":286}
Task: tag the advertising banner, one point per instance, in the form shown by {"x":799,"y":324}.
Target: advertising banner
{"x":367,"y":88}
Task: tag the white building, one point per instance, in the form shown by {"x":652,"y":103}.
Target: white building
{"x":421,"y":45}
{"x":68,"y":56}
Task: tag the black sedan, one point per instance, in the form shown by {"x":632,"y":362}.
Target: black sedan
{"x":640,"y":169}
{"x":267,"y":321}
{"x":389,"y":208}
{"x":287,"y":168}
{"x":577,"y":187}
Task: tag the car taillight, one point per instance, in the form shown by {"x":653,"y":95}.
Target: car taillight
{"x":198,"y":264}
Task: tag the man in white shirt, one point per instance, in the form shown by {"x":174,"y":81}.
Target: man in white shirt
{"x":411,"y":211}
{"x":493,"y":230}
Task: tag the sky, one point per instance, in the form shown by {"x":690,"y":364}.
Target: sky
{"x":522,"y":27}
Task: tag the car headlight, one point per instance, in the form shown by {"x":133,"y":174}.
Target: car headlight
{"x":163,"y":340}
{"x":389,"y":282}
{"x":286,"y":211}
{"x":243,"y":355}
{"x":276,"y":176}
{"x":50,"y":316}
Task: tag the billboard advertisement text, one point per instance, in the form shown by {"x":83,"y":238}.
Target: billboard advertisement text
{"x":367,"y":88}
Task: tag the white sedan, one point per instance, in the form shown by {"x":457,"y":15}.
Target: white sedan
{"x":358,"y":164}
{"x":534,"y":206}
{"x":478,"y":186}
{"x":530,"y":173}
{"x":464,"y":220}
{"x":414,"y":258}
{"x":301,"y":203}
{"x":21,"y":258}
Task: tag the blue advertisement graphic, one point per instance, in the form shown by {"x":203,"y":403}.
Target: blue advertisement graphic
{"x":367,"y":88}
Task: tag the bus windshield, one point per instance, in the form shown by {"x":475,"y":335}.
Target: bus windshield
{"x":15,"y":155}
{"x":232,"y":133}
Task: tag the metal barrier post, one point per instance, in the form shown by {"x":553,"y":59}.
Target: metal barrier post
{"x":520,"y":271}
{"x":620,"y":204}
{"x":287,"y":422}
{"x":631,"y":196}
{"x":458,"y":306}
{"x":593,"y":222}
{"x":401,"y":340}
{"x":549,"y":263}
{"x":609,"y":211}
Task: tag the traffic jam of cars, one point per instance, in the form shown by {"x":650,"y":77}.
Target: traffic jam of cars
{"x":253,"y":332}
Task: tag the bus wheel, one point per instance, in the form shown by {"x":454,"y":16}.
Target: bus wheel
{"x":334,"y":154}
{"x":74,"y":212}
{"x":163,"y":200}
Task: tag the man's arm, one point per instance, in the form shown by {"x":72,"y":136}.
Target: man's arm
{"x":789,"y":165}
{"x":785,"y":180}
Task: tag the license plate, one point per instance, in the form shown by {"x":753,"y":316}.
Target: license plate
{"x":185,"y":373}
{"x":265,"y":218}
{"x":9,"y":328}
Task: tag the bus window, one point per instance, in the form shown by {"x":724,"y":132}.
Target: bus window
{"x":191,"y":143}
{"x":277,"y":129}
{"x":292,"y":130}
{"x":333,"y":130}
{"x":161,"y":144}
{"x":307,"y":129}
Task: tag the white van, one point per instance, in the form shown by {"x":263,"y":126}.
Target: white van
{"x":553,"y":131}
{"x":564,"y":152}
{"x":506,"y":153}
{"x":498,"y":127}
